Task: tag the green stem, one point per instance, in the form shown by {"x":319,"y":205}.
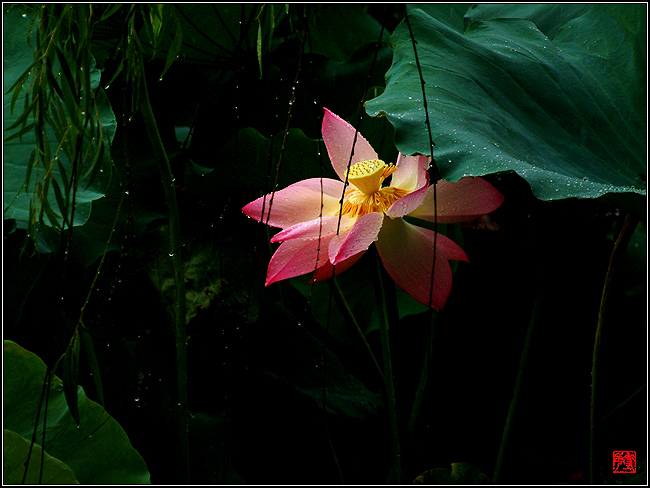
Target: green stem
{"x":335,"y":458}
{"x":175,"y":244}
{"x":388,"y":378}
{"x":424,"y":374}
{"x":515,"y":394}
{"x":625,"y":402}
{"x":353,"y":319}
{"x":618,"y":250}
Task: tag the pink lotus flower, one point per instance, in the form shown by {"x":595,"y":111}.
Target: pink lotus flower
{"x":321,"y":236}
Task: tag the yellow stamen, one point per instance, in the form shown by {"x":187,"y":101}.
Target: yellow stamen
{"x":367,"y":195}
{"x":357,"y":203}
{"x":368,"y":176}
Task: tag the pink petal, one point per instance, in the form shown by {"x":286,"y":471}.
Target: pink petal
{"x":461,"y":201}
{"x":325,"y":271}
{"x":314,"y":228}
{"x":411,"y":173}
{"x":407,"y":203}
{"x":407,"y":254}
{"x":358,"y":239}
{"x":297,"y":257}
{"x":338,"y":136}
{"x":296,"y":203}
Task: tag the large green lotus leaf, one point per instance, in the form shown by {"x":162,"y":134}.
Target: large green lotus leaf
{"x":548,"y":18}
{"x":98,"y":451}
{"x":503,"y":97}
{"x":18,"y":55}
{"x":15,"y":454}
{"x":624,"y":46}
{"x":450,"y":14}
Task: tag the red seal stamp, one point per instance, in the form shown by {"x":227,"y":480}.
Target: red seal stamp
{"x":624,"y":462}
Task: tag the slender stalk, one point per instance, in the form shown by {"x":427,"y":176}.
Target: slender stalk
{"x":44,"y":391}
{"x":435,"y":172}
{"x":352,"y":318}
{"x":175,"y":243}
{"x":515,"y":393}
{"x":618,"y":250}
{"x":48,"y":376}
{"x":323,"y":363}
{"x":625,"y":402}
{"x":424,"y":374}
{"x":388,"y":378}
{"x":289,"y":115}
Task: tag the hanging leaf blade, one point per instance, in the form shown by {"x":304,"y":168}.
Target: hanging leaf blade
{"x":71,"y":375}
{"x":504,"y":97}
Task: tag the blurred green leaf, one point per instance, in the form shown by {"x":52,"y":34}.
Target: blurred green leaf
{"x":15,"y":454}
{"x":174,"y":48}
{"x":346,"y":395}
{"x":249,"y":162}
{"x":338,"y":30}
{"x":93,"y":364}
{"x":98,"y":450}
{"x":334,"y":319}
{"x":259,"y":46}
{"x":212,"y":436}
{"x":504,"y":97}
{"x":213,"y":32}
{"x":212,"y":274}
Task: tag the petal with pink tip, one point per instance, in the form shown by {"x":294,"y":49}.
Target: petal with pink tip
{"x":358,"y":239}
{"x":411,"y":172}
{"x":407,"y":254}
{"x":407,"y":203}
{"x":339,"y":136}
{"x":325,"y":271}
{"x":314,"y":228}
{"x":297,"y":257}
{"x":460,"y":201}
{"x":296,"y":203}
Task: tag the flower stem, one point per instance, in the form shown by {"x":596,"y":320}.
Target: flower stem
{"x":618,"y":250}
{"x":352,"y":318}
{"x":435,"y":172}
{"x":515,"y":393}
{"x":424,"y":374}
{"x":175,"y":243}
{"x":388,"y":378}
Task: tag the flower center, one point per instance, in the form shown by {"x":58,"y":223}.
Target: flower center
{"x":368,"y":195}
{"x":368,"y":176}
